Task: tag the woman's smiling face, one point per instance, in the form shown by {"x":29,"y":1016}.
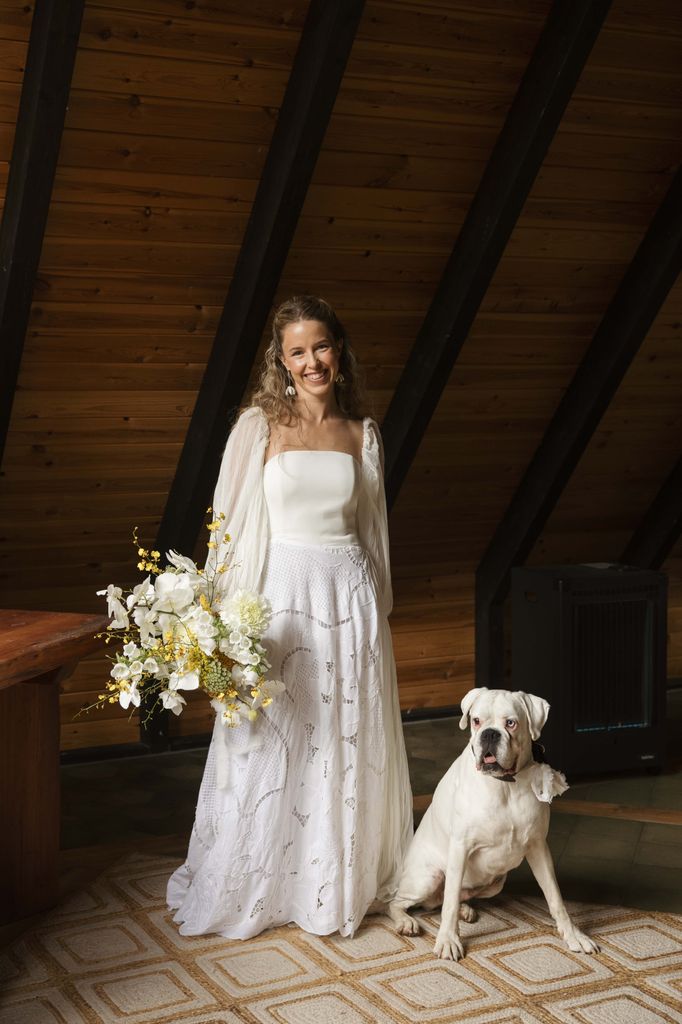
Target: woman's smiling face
{"x":311,"y":356}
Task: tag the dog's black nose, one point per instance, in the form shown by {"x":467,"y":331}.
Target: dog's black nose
{"x":490,"y":737}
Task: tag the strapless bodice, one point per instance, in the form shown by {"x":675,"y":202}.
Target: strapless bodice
{"x":312,"y":496}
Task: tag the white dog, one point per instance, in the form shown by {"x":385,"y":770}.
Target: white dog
{"x":489,"y":811}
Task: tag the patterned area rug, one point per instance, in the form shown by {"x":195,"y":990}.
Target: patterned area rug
{"x":112,"y":954}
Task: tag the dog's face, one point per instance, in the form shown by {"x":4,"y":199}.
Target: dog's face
{"x":503,"y":725}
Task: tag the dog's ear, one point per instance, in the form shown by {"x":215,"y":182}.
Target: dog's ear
{"x":467,"y":700}
{"x":536,"y":709}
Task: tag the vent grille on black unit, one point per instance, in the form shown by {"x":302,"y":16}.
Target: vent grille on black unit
{"x":611,"y":665}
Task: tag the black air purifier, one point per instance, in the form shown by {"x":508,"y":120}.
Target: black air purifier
{"x":591,"y":639}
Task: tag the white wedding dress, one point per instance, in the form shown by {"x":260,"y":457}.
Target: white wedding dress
{"x":304,"y":815}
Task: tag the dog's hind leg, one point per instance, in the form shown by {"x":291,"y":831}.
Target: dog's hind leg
{"x":467,"y":913}
{"x":413,"y":890}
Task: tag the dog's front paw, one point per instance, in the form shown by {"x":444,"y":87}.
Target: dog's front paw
{"x":448,"y":946}
{"x":578,"y":942}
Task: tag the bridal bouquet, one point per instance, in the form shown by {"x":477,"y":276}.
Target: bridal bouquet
{"x":179,"y":633}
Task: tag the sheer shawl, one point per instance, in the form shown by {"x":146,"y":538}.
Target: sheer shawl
{"x":239,"y":495}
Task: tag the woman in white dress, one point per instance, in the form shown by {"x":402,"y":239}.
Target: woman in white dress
{"x":304,"y":815}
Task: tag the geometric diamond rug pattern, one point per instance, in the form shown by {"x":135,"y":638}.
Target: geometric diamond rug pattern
{"x":112,"y":954}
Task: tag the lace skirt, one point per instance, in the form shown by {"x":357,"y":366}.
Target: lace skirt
{"x":304,"y":816}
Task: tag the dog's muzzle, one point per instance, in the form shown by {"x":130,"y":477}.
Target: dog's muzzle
{"x":486,"y":761}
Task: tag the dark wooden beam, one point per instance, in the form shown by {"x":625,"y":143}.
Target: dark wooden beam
{"x":660,"y":529}
{"x":316,"y":74}
{"x":40,"y":120}
{"x":548,"y":82}
{"x":638,"y":299}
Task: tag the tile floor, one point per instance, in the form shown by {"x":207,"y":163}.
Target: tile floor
{"x":602,"y":859}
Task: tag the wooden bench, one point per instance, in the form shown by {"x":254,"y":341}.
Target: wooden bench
{"x":37,"y":651}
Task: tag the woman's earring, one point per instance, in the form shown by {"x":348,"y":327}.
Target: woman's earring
{"x":290,"y":390}
{"x":340,"y":379}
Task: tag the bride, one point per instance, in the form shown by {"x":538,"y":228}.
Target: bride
{"x":304,"y":815}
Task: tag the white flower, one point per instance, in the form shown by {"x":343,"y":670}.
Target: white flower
{"x":230,"y":715}
{"x":142,"y":594}
{"x":129,"y":694}
{"x":131,"y":650}
{"x":115,"y":609}
{"x":174,"y":593}
{"x":120,"y":671}
{"x":136,"y":668}
{"x":172,"y":701}
{"x":182,"y":562}
{"x":184,"y":681}
{"x":145,"y":620}
{"x":150,"y":665}
{"x":202,"y":625}
{"x":224,"y":645}
{"x":247,"y":612}
{"x":251,"y":677}
{"x":237,"y":674}
{"x":268,"y":689}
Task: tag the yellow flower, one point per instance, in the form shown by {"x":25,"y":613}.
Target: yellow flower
{"x":141,"y":551}
{"x":268,"y":700}
{"x":156,"y":554}
{"x":211,"y":544}
{"x":203,"y":601}
{"x":140,"y":565}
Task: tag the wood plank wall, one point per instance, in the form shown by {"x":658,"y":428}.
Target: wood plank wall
{"x":170,"y":117}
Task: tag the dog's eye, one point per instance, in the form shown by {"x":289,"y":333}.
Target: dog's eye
{"x":511,"y":723}
{"x":476,"y":721}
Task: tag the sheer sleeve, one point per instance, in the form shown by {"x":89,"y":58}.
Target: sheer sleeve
{"x":372,"y":514}
{"x":239,"y":494}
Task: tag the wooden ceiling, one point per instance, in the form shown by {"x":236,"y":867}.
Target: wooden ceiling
{"x":170,"y":121}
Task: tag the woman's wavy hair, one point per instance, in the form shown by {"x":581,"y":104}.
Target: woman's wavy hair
{"x":270,"y":392}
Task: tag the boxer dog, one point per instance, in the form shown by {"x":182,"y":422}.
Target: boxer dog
{"x":489,"y":811}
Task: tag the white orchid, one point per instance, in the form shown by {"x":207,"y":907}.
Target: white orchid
{"x":115,"y":609}
{"x":186,"y":564}
{"x":146,"y":622}
{"x":172,"y":701}
{"x":265,"y":692}
{"x":184,"y":680}
{"x":174,"y":593}
{"x":230,"y":715}
{"x":131,"y":650}
{"x":142,"y":594}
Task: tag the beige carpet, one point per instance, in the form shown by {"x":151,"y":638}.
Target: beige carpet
{"x":112,"y":954}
